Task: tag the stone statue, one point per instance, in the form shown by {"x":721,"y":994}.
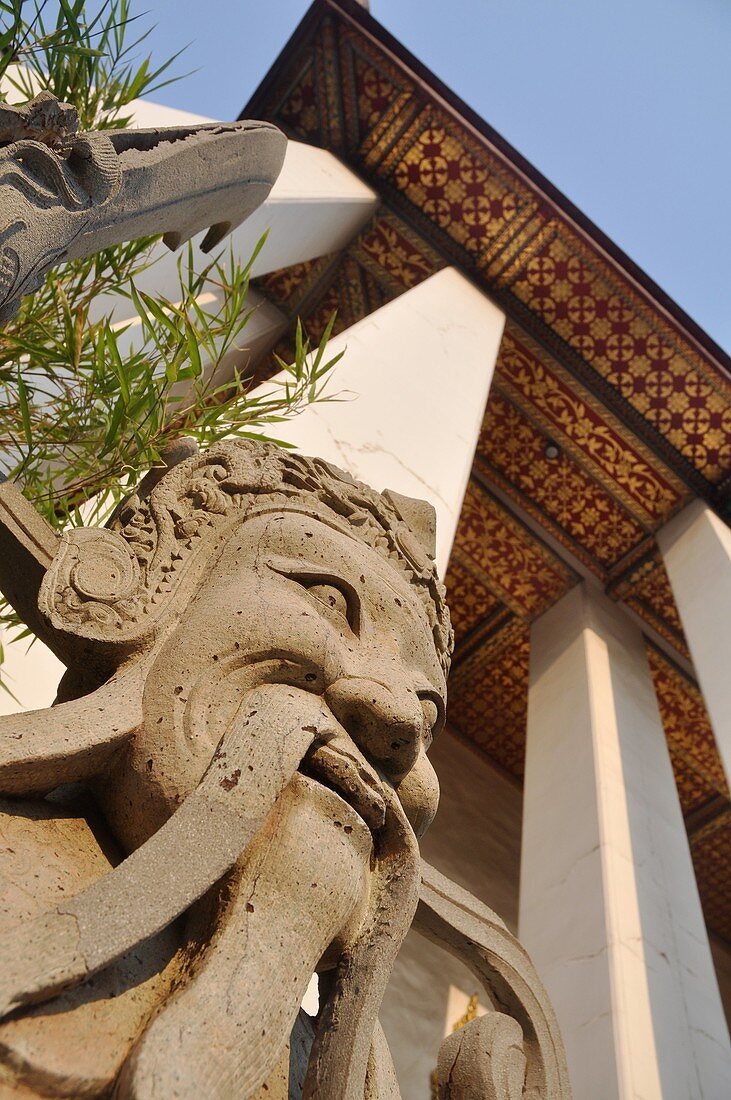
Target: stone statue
{"x":257,"y":648}
{"x":227,"y":795}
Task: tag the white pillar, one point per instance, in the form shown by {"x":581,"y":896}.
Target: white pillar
{"x":696,"y":548}
{"x":316,"y":206}
{"x":416,"y":375}
{"x":609,"y":908}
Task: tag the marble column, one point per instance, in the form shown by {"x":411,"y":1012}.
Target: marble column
{"x":316,"y":207}
{"x":609,"y":908}
{"x":413,"y":382}
{"x":696,"y":548}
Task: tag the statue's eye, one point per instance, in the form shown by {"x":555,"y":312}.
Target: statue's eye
{"x":433,"y":710}
{"x":336,"y":595}
{"x":337,"y":598}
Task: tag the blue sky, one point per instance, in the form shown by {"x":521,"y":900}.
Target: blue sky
{"x":625,"y":105}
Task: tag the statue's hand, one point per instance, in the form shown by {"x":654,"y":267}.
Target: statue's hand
{"x":203,"y":839}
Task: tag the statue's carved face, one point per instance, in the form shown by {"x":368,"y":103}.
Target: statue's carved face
{"x":293,"y":600}
{"x":299,"y":621}
{"x":278,"y":736}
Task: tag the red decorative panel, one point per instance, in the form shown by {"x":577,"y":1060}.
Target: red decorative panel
{"x":285,"y":287}
{"x":299,"y":112}
{"x":374,"y":93}
{"x":689,"y":734}
{"x":711,"y":851}
{"x":693,"y":790}
{"x":558,"y":491}
{"x":579,"y":423}
{"x":574,"y":294}
{"x":646,"y":589}
{"x":456,"y":185}
{"x":488,"y":697}
{"x":394,"y":254}
{"x":519,"y":569}
{"x":470,"y":599}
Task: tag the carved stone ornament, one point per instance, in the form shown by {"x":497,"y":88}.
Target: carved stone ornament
{"x":65,"y":195}
{"x":228,"y":797}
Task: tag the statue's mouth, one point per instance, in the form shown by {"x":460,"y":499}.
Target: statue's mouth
{"x":333,"y":758}
{"x":336,"y":762}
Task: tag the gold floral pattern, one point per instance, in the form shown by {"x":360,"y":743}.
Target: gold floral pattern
{"x":688,"y":731}
{"x":395,"y":255}
{"x":456,"y":185}
{"x":488,"y":697}
{"x":374,"y":92}
{"x":285,"y":287}
{"x":711,"y":851}
{"x":299,"y":112}
{"x":468,"y":594}
{"x":536,"y":382}
{"x":556,"y":490}
{"x":646,"y":589}
{"x":641,"y":357}
{"x":524,"y":573}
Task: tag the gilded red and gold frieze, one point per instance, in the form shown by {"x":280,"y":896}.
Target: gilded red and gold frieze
{"x":288,"y":287}
{"x":394,"y":254}
{"x":578,"y":422}
{"x":488,"y":696}
{"x":710,"y":848}
{"x":698,"y":769}
{"x":526,"y":576}
{"x":646,"y":589}
{"x":376,"y":89}
{"x":471,"y":601}
{"x":454,"y":184}
{"x":557,"y":491}
{"x":300,"y":110}
{"x":575,"y":295}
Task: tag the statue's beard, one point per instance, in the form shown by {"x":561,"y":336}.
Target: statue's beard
{"x":330,"y":884}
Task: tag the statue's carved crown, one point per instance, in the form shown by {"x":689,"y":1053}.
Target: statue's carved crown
{"x":115,"y":585}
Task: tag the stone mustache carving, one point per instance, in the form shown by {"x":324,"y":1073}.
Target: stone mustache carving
{"x":257,"y":648}
{"x":65,"y":195}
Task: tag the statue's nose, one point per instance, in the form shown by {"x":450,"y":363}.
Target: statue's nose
{"x":386,"y":725}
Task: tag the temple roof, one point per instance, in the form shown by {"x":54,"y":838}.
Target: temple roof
{"x":610,"y":409}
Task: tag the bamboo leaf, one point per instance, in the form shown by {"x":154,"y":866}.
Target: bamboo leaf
{"x":25,"y":411}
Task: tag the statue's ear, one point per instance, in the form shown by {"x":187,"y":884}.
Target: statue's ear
{"x":28,"y":545}
{"x":91,"y":589}
{"x":420,"y":516}
{"x":63,"y":586}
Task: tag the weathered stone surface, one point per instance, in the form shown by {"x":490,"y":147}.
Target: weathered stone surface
{"x":65,"y":195}
{"x":515,"y":1051}
{"x":50,"y":851}
{"x":259,"y":647}
{"x":270,"y":643}
{"x":257,"y":651}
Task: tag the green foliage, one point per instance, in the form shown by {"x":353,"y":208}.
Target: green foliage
{"x":89,"y":403}
{"x":84,"y":59}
